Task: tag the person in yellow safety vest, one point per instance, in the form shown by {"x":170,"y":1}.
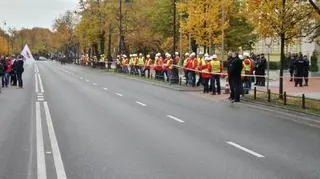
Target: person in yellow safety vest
{"x":217,"y":68}
{"x":205,"y":69}
{"x":247,"y":69}
{"x":169,"y":68}
{"x":125,"y":63}
{"x":165,"y":66}
{"x":185,"y":62}
{"x":140,"y":64}
{"x":201,"y":62}
{"x":131,"y":64}
{"x":135,"y":62}
{"x":147,"y":66}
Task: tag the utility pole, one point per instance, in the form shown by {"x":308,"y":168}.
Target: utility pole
{"x":222,"y":43}
{"x":175,"y":73}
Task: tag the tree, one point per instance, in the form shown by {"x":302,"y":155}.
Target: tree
{"x":283,"y":19}
{"x":204,"y":19}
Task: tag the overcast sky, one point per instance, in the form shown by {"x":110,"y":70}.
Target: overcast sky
{"x":33,"y":13}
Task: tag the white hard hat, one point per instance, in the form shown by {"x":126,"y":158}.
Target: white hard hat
{"x":140,"y":54}
{"x":193,"y":54}
{"x":208,"y":58}
{"x":241,"y":57}
{"x":158,"y":54}
{"x":201,"y":53}
{"x":206,"y":55}
{"x":177,"y":53}
{"x":125,"y":56}
{"x":130,"y":55}
{"x":246,"y":54}
{"x":214,"y":56}
{"x":148,"y":56}
{"x":186,"y":54}
{"x":135,"y":55}
{"x":168,"y":55}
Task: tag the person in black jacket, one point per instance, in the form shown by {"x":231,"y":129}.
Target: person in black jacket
{"x":300,"y":65}
{"x":229,"y":67}
{"x":14,"y":72}
{"x":235,"y":76}
{"x":20,"y":70}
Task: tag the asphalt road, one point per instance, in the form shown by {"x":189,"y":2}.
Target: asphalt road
{"x":77,"y":123}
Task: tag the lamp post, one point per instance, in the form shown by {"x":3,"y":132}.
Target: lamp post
{"x":268,"y":43}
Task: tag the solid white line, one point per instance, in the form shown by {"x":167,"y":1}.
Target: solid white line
{"x":94,"y":84}
{"x":40,"y":83}
{"x":61,"y":174}
{"x":105,"y":89}
{"x":142,"y":104}
{"x":119,"y":94}
{"x":36,"y":81}
{"x":175,"y":118}
{"x":245,"y":149}
{"x":41,"y":163}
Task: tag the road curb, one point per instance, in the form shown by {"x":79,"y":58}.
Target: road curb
{"x":294,"y":115}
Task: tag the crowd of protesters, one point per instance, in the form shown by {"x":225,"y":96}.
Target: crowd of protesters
{"x":11,"y":69}
{"x":242,"y":69}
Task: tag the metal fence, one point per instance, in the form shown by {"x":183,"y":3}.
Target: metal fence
{"x":301,"y":103}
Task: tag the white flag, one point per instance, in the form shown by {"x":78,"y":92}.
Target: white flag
{"x":26,"y":53}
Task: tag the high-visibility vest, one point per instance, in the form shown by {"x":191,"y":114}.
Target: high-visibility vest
{"x":246,"y":67}
{"x":194,"y":63}
{"x":148,"y":62}
{"x":185,"y":62}
{"x":215,"y":64}
{"x":170,"y":63}
{"x":141,"y":61}
{"x":201,"y":61}
{"x":131,"y":62}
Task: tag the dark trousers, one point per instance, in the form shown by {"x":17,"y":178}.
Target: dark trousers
{"x":237,"y":88}
{"x":306,"y":79}
{"x":186,"y":76}
{"x":291,"y":74}
{"x":231,"y":88}
{"x":205,"y":83}
{"x":165,"y":73}
{"x":298,"y":80}
{"x":215,"y":79}
{"x":13,"y":79}
{"x":20,"y":81}
{"x":148,"y":72}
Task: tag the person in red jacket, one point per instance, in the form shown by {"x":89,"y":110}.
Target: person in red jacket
{"x":206,"y":74}
{"x":7,"y":72}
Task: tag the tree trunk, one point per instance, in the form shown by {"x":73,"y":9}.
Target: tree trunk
{"x":109,"y":49}
{"x":282,"y":59}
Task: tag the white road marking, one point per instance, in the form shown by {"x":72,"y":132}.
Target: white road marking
{"x":48,"y":152}
{"x":94,"y":84}
{"x":175,"y":118}
{"x":61,"y":174}
{"x":119,"y":94}
{"x":105,"y":89}
{"x":81,"y":78}
{"x":142,"y":104}
{"x":41,"y":163}
{"x":40,"y":83}
{"x":41,"y":99}
{"x":245,"y":149}
{"x":87,"y":80}
{"x":37,"y":85}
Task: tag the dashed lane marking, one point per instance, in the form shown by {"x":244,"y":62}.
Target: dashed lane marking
{"x":175,"y":118}
{"x":245,"y":149}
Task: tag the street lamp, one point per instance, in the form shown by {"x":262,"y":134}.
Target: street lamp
{"x":268,"y":43}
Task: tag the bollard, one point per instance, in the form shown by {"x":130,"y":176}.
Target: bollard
{"x":255,"y":93}
{"x":285,"y":98}
{"x":269,"y":95}
{"x":303,"y":101}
